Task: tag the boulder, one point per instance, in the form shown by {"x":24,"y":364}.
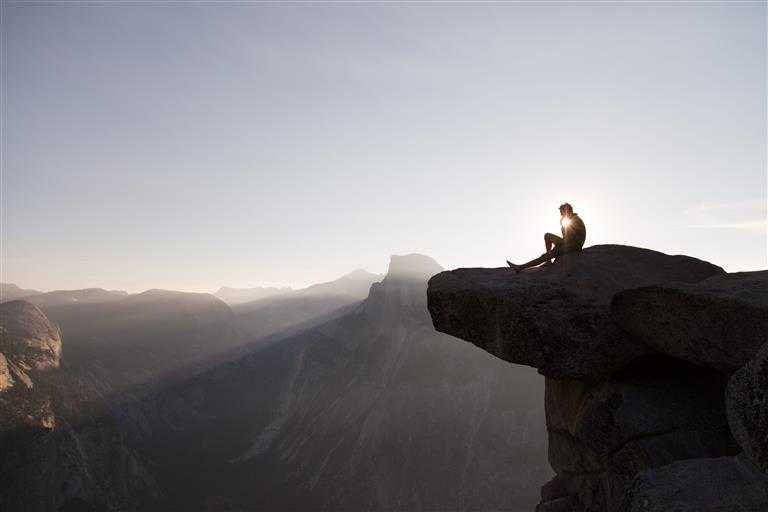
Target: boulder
{"x":724,"y":484}
{"x":720,"y":322}
{"x":27,"y":338}
{"x":747,"y":403}
{"x":556,"y":318}
{"x":29,"y":343}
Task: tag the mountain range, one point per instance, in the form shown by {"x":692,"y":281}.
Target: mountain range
{"x":338,"y":396}
{"x":239,"y":295}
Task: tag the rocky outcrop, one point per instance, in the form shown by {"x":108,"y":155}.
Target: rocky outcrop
{"x":637,"y":347}
{"x":6,"y":380}
{"x":556,"y":318}
{"x":29,"y":343}
{"x":27,"y":338}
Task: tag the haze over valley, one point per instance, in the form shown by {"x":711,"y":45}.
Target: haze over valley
{"x":343,"y":401}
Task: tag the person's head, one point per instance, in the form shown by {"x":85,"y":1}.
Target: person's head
{"x":566,"y":210}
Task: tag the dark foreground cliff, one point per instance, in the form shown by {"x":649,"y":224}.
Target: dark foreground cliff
{"x":656,"y":382}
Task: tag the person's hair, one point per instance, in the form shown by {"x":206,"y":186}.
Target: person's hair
{"x":567,"y":207}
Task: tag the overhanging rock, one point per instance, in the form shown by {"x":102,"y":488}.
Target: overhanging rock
{"x":556,"y":318}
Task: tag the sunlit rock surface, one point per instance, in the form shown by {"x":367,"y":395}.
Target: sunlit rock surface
{"x":638,"y":347}
{"x":27,"y":337}
{"x":6,"y":380}
{"x":29,"y":344}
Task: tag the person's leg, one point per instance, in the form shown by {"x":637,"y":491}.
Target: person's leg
{"x":547,"y":256}
{"x":550,"y":241}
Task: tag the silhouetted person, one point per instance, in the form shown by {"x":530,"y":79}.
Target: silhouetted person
{"x":574,"y":233}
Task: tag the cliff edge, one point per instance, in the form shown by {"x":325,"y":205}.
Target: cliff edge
{"x":638,"y":348}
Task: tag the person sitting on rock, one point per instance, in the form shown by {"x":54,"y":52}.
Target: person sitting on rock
{"x":574,"y":233}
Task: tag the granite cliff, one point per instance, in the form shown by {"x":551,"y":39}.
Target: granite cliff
{"x":372,"y":410}
{"x":655,"y":376}
{"x":29,"y":344}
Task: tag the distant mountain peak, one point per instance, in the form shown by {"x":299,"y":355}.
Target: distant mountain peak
{"x":84,"y":296}
{"x":412,"y":266}
{"x":355,"y":284}
{"x":158,"y":294}
{"x":228,"y":289}
{"x":232,"y":295}
{"x":10,"y":291}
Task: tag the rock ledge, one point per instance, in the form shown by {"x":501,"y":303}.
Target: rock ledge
{"x":638,"y":348}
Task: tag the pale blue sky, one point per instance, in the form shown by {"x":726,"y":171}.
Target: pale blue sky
{"x":192,"y":146}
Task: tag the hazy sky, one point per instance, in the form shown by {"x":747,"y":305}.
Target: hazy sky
{"x":192,"y":146}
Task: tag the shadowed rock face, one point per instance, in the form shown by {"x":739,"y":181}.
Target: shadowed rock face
{"x":747,"y":400}
{"x":699,"y":485}
{"x":637,"y":347}
{"x":654,"y":412}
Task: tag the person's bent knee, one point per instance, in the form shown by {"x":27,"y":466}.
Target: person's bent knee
{"x":549,"y":237}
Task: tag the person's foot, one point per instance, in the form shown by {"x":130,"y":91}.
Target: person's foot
{"x":514,"y":267}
